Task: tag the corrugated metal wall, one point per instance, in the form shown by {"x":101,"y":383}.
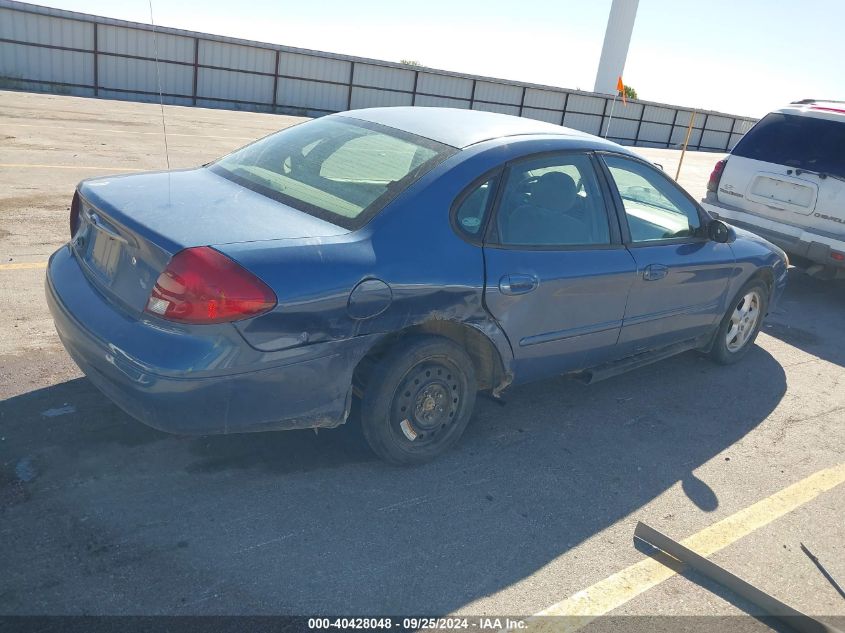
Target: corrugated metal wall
{"x":60,"y":51}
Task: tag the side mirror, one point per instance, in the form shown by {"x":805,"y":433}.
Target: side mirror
{"x":720,"y":232}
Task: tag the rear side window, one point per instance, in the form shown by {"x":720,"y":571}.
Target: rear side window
{"x":473,"y":209}
{"x":796,"y":141}
{"x":339,"y":169}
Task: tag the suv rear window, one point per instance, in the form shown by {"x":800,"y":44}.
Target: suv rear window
{"x":339,"y":169}
{"x":796,"y":141}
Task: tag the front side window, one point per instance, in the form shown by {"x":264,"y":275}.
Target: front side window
{"x":656,"y":208}
{"x":336,"y":168}
{"x":553,"y":201}
{"x":802,"y":142}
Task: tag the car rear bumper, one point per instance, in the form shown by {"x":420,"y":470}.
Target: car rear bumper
{"x":792,"y":239}
{"x":182,"y":383}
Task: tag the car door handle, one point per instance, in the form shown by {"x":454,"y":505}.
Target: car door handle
{"x":518,"y":284}
{"x":653,"y":272}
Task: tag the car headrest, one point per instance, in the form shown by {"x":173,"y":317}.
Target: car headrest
{"x":554,"y":190}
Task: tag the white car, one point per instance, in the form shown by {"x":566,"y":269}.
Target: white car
{"x":785,"y":181}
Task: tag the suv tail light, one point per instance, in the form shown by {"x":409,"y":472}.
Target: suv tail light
{"x":201,"y":285}
{"x":716,"y":175}
{"x":74,"y":214}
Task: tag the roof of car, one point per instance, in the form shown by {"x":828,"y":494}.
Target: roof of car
{"x":460,"y":128}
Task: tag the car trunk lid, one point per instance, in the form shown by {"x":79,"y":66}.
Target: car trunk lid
{"x":130,"y":226}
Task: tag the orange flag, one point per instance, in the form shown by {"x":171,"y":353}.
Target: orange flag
{"x":621,"y":88}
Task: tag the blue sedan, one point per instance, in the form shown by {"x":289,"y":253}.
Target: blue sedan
{"x":406,"y":258}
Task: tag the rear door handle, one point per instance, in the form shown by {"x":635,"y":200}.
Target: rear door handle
{"x":518,"y":284}
{"x":653,"y":272}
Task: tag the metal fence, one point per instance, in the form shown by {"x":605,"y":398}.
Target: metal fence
{"x":52,"y":50}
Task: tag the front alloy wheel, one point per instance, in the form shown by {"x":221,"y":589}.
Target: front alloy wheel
{"x":744,"y":321}
{"x":741,"y":323}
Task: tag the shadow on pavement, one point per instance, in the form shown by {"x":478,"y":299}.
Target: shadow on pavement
{"x":809,"y":317}
{"x":119,"y":518}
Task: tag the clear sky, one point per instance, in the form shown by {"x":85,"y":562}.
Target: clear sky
{"x":737,"y":56}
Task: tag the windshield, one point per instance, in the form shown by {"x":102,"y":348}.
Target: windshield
{"x":339,"y":169}
{"x":802,"y":142}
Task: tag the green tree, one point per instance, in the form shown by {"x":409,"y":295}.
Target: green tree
{"x":630,"y":93}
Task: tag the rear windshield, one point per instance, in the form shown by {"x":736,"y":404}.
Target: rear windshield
{"x":339,"y":169}
{"x":796,"y":141}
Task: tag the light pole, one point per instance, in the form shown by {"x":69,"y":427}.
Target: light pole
{"x":617,"y":38}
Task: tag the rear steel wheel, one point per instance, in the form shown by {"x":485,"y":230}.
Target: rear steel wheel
{"x":426,"y":402}
{"x":418,"y":400}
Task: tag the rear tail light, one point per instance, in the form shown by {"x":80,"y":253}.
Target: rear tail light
{"x":74,"y":214}
{"x":837,"y":256}
{"x":201,"y":285}
{"x":716,"y":175}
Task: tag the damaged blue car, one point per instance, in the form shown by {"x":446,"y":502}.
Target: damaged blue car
{"x":406,"y":258}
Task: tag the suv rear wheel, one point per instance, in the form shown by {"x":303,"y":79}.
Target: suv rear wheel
{"x":418,"y":400}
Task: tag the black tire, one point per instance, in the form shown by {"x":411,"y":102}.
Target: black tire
{"x":418,"y":400}
{"x":722,"y":351}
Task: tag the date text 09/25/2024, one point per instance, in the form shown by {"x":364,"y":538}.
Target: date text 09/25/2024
{"x":417,"y":623}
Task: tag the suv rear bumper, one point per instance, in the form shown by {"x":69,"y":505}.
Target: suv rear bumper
{"x":792,"y":239}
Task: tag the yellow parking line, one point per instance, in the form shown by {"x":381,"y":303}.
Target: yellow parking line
{"x":23,"y":266}
{"x":86,"y":167}
{"x":614,"y":591}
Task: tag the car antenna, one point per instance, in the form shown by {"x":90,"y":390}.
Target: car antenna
{"x":158,"y":76}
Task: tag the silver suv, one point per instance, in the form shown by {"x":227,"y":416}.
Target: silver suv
{"x":785,"y":181}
